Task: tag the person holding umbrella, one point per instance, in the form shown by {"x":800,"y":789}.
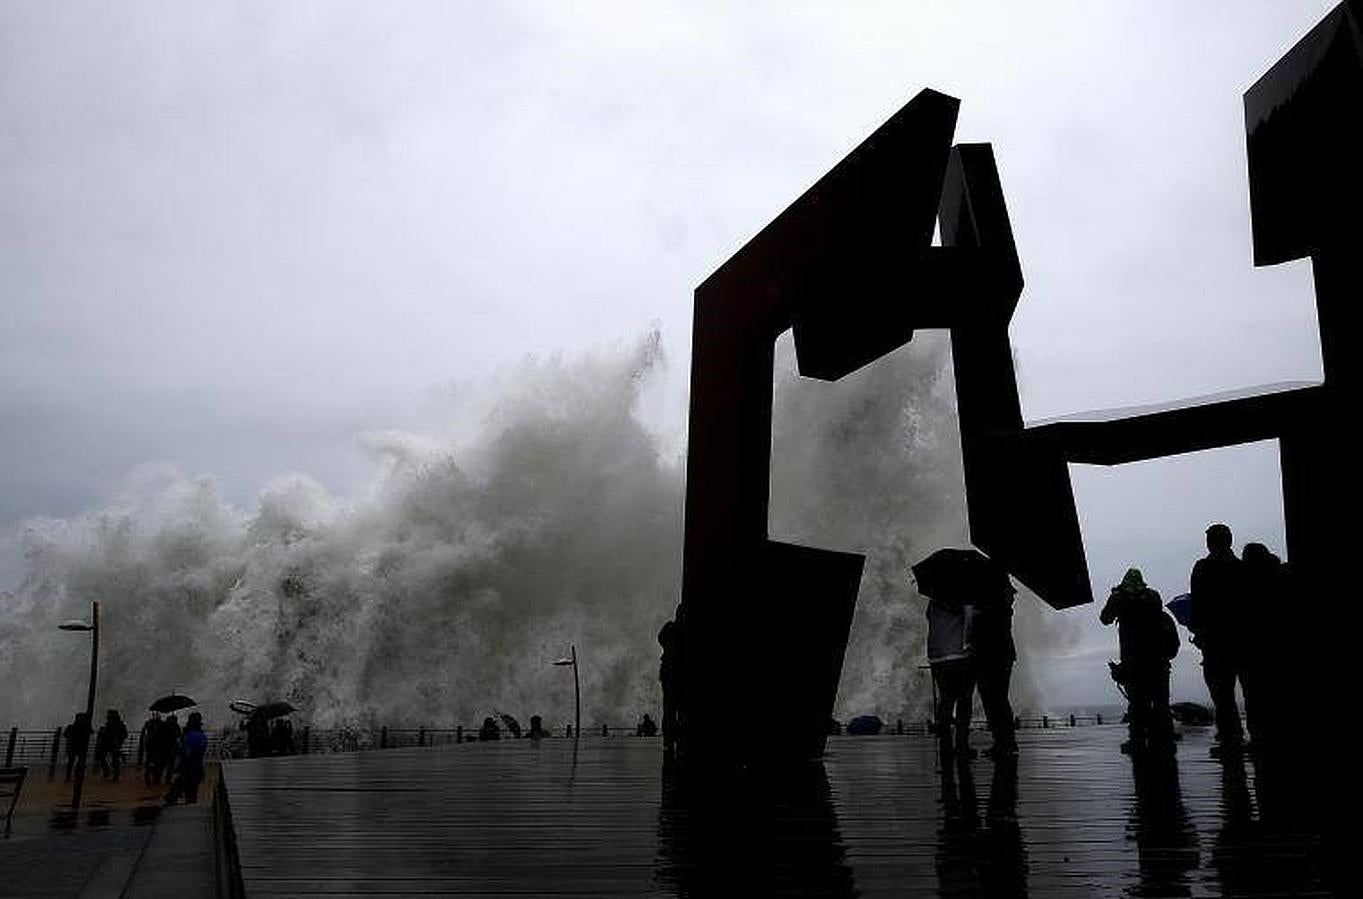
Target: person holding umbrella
{"x":952,"y":579}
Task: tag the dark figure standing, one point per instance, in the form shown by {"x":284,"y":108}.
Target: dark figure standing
{"x":109,"y":747}
{"x":1149,"y":640}
{"x":190,"y":770}
{"x":489,"y":730}
{"x":281,"y":737}
{"x":170,"y":745}
{"x":995,"y":653}
{"x":1266,"y":636}
{"x":646,"y":728}
{"x":151,"y":750}
{"x":668,"y":639}
{"x":257,"y":735}
{"x":1217,"y":618}
{"x":77,"y":736}
{"x":950,"y":627}
{"x":536,"y":728}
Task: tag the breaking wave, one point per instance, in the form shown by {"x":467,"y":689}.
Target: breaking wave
{"x":443,"y":592}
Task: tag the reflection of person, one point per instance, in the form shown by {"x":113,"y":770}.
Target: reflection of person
{"x":1215,"y":618}
{"x":1148,"y":640}
{"x":950,"y":628}
{"x":994,"y":653}
{"x":190,"y":771}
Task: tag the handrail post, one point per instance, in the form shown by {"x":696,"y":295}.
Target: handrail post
{"x":307,"y":734}
{"x":383,"y":737}
{"x":9,"y":752}
{"x":421,"y":737}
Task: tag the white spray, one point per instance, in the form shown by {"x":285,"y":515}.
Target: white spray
{"x":444,"y":591}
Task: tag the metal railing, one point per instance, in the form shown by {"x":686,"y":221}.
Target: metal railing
{"x":46,"y":748}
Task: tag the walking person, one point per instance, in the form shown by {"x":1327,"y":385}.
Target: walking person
{"x":169,"y":744}
{"x":151,"y":750}
{"x":1216,"y":616}
{"x":189,"y":772}
{"x":1148,"y":641}
{"x":950,"y":626}
{"x":113,"y":735}
{"x":77,"y":736}
{"x":995,"y":654}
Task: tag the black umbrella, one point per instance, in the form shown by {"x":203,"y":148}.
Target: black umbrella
{"x":1181,"y":607}
{"x":172,"y":703}
{"x":512,"y":724}
{"x":273,"y":710}
{"x":959,"y":576}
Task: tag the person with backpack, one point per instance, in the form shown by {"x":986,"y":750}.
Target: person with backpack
{"x":1148,"y":639}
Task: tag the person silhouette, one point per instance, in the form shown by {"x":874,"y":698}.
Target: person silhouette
{"x":1217,"y":619}
{"x":669,"y":638}
{"x":189,"y":772}
{"x":995,"y":654}
{"x":77,"y":736}
{"x":1264,"y":636}
{"x":1148,"y":641}
{"x":950,"y":631}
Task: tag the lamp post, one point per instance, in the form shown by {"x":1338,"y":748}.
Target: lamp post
{"x":93,"y":627}
{"x":577,"y":692}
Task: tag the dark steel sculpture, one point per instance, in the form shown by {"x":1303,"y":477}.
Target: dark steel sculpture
{"x":849,"y":266}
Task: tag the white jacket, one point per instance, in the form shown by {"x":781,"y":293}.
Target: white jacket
{"x":949,"y":631}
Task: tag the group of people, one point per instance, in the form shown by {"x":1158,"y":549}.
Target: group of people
{"x":970,"y":647}
{"x":1230,"y":616}
{"x":175,"y":754}
{"x":268,"y":737}
{"x":168,"y":750}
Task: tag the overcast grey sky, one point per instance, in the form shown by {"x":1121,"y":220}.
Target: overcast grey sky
{"x":236,"y":236}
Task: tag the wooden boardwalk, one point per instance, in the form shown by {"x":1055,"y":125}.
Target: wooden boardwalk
{"x":880,"y":818}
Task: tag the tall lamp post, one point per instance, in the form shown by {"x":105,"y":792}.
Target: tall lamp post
{"x":577,"y":692}
{"x":93,"y":627}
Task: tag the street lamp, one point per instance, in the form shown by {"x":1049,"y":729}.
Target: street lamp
{"x":577,"y":692}
{"x":93,"y":627}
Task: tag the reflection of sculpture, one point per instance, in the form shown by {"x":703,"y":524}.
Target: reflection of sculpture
{"x":849,"y":267}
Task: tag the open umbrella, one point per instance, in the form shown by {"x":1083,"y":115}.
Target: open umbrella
{"x":512,"y":725}
{"x":1181,"y":607}
{"x":172,"y":703}
{"x":959,"y":576}
{"x":270,"y":710}
{"x":865,"y":726}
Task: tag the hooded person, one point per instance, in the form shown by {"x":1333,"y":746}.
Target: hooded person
{"x":1148,"y":640}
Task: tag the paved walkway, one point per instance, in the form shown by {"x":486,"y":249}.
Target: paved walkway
{"x":1072,"y":818}
{"x":142,"y":852}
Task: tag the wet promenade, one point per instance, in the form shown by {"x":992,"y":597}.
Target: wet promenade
{"x":1071,"y":819}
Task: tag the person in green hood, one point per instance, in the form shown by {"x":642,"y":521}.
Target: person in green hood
{"x":1148,"y":640}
